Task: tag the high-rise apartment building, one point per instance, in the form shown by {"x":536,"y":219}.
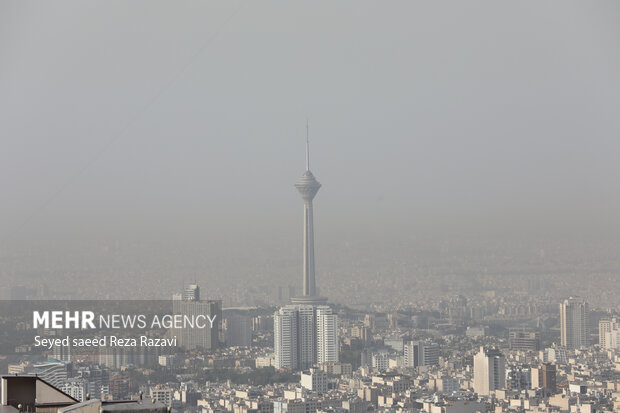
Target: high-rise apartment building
{"x":489,"y":371}
{"x":304,"y":335}
{"x":421,"y":353}
{"x":544,"y":377}
{"x":605,"y":327}
{"x":574,"y":318}
{"x":285,"y":336}
{"x":430,"y":354}
{"x":327,"y":335}
{"x":189,"y":305}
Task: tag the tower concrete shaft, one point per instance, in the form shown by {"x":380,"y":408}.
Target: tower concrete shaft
{"x":309,"y":283}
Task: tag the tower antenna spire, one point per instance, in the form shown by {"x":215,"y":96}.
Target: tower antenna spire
{"x":307,"y":145}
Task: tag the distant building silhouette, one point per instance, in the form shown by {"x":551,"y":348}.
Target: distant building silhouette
{"x":524,"y":340}
{"x":189,"y":304}
{"x":238,"y":330}
{"x":574,"y":318}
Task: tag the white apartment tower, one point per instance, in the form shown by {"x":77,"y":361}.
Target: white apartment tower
{"x":327,"y":335}
{"x":574,"y":317}
{"x":489,"y":371}
{"x":304,"y":335}
{"x":285,"y":338}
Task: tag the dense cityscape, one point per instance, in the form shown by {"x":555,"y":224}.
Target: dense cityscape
{"x":461,"y":338}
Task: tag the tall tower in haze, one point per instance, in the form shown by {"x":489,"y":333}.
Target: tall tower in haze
{"x":308,"y":186}
{"x":307,"y":331}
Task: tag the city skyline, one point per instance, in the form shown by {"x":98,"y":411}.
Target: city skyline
{"x":463,"y":257}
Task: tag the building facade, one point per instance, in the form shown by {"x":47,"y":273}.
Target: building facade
{"x":489,"y":371}
{"x":188,"y":304}
{"x":574,"y":318}
{"x":327,"y":335}
{"x":606,"y":329}
{"x":421,"y":353}
{"x":305,"y":335}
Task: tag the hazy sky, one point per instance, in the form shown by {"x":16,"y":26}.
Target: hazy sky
{"x":116,"y":116}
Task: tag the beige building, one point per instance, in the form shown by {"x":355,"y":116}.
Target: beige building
{"x":489,"y":371}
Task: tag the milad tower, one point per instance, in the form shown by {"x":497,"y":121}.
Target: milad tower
{"x":308,"y":186}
